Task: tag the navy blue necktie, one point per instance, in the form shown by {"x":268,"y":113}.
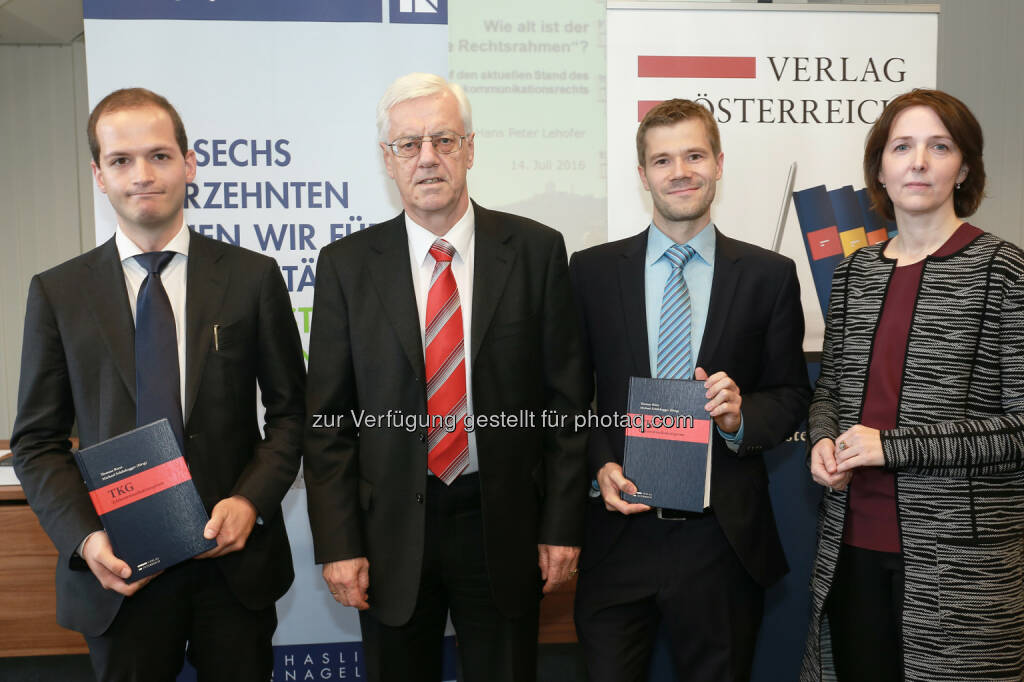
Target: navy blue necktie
{"x":157,"y":381}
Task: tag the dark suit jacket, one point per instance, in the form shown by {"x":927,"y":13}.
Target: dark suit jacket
{"x":365,"y":487}
{"x":754,"y":332}
{"x":78,"y":365}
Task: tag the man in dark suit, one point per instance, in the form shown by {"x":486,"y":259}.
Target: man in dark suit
{"x":425,"y":326}
{"x":229,"y":326}
{"x":651,"y":304}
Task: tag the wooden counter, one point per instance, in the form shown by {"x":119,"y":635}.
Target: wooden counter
{"x":28,"y":602}
{"x":556,"y":623}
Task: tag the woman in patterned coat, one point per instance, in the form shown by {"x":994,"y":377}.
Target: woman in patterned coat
{"x":917,"y":423}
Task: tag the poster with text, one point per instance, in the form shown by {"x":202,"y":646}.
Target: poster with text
{"x":787,"y":85}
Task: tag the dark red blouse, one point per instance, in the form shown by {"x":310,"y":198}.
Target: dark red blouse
{"x":871,"y":520}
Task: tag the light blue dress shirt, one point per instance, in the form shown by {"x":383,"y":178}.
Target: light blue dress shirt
{"x":698,"y":273}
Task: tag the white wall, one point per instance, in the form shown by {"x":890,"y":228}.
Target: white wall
{"x":47,"y":211}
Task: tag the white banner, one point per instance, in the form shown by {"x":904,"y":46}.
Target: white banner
{"x":534,"y":71}
{"x":787,"y":84}
{"x":279,"y":103}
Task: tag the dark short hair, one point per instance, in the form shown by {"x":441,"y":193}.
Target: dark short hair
{"x":963,"y":128}
{"x":670,"y":112}
{"x":133,"y":98}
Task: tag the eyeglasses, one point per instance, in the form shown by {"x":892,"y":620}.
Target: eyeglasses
{"x":445,"y":142}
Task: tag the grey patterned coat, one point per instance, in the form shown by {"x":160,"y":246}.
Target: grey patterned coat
{"x":958,"y":454}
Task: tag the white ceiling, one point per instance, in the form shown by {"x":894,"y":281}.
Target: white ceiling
{"x":35,"y":22}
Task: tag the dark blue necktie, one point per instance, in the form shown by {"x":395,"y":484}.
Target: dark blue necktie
{"x":157,"y":382}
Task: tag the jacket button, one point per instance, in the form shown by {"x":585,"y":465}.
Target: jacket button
{"x":419,"y":498}
{"x":423,"y":437}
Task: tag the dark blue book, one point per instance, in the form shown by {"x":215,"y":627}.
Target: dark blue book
{"x":849,"y":219}
{"x":875,"y":223}
{"x":872,"y":221}
{"x":143,"y":492}
{"x":821,"y":237}
{"x":668,"y":444}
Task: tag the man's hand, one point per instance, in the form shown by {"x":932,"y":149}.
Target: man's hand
{"x":613,"y":483}
{"x":723,"y":399}
{"x":230,"y":522}
{"x":349,"y":581}
{"x":823,"y":466}
{"x":108,"y":569}
{"x":860,"y":446}
{"x":557,"y":564}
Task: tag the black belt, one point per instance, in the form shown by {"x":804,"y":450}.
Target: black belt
{"x":677,"y":515}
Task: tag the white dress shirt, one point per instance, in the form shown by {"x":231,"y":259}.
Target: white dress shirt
{"x":462,"y":236}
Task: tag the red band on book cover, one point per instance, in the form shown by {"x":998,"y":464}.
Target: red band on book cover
{"x":682,"y":428}
{"x":140,"y":486}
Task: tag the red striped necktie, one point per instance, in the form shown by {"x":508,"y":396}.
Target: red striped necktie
{"x":448,"y":444}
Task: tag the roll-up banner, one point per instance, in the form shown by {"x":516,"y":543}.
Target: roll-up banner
{"x":278,"y":99}
{"x":788,"y":84}
{"x":794,"y":89}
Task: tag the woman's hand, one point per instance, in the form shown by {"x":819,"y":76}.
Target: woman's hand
{"x":860,"y":446}
{"x":823,"y":466}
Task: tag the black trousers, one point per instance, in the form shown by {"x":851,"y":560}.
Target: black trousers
{"x":490,"y":646}
{"x":865,"y":610}
{"x":188,"y":610}
{"x":683,"y":574}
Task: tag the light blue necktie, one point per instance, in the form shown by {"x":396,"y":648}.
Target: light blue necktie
{"x":674,"y":329}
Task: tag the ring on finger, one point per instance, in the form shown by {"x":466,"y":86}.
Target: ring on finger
{"x":842,"y":445}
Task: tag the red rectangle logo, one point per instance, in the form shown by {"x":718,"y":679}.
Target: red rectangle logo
{"x":669,"y":427}
{"x":645,"y":105}
{"x":140,"y":486}
{"x":696,"y":67}
{"x":824,"y":243}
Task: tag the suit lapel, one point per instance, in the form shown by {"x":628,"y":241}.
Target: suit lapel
{"x":494,"y":256}
{"x":113,"y":311}
{"x":723,"y":287}
{"x":205,"y":284}
{"x":392,"y":278}
{"x":631,"y":280}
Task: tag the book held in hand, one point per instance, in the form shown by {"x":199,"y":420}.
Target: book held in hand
{"x":668,"y":444}
{"x":143,"y":492}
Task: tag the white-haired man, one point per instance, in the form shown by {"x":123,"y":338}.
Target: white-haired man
{"x":444,"y":340}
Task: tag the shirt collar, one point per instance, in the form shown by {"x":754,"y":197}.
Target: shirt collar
{"x":459,"y":236}
{"x":703,"y":243}
{"x":126,"y":248}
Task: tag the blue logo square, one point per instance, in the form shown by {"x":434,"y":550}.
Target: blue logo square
{"x":419,"y":11}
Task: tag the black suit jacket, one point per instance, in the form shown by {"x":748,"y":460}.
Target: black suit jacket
{"x":78,"y":365}
{"x":754,"y":332}
{"x":366,"y":486}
